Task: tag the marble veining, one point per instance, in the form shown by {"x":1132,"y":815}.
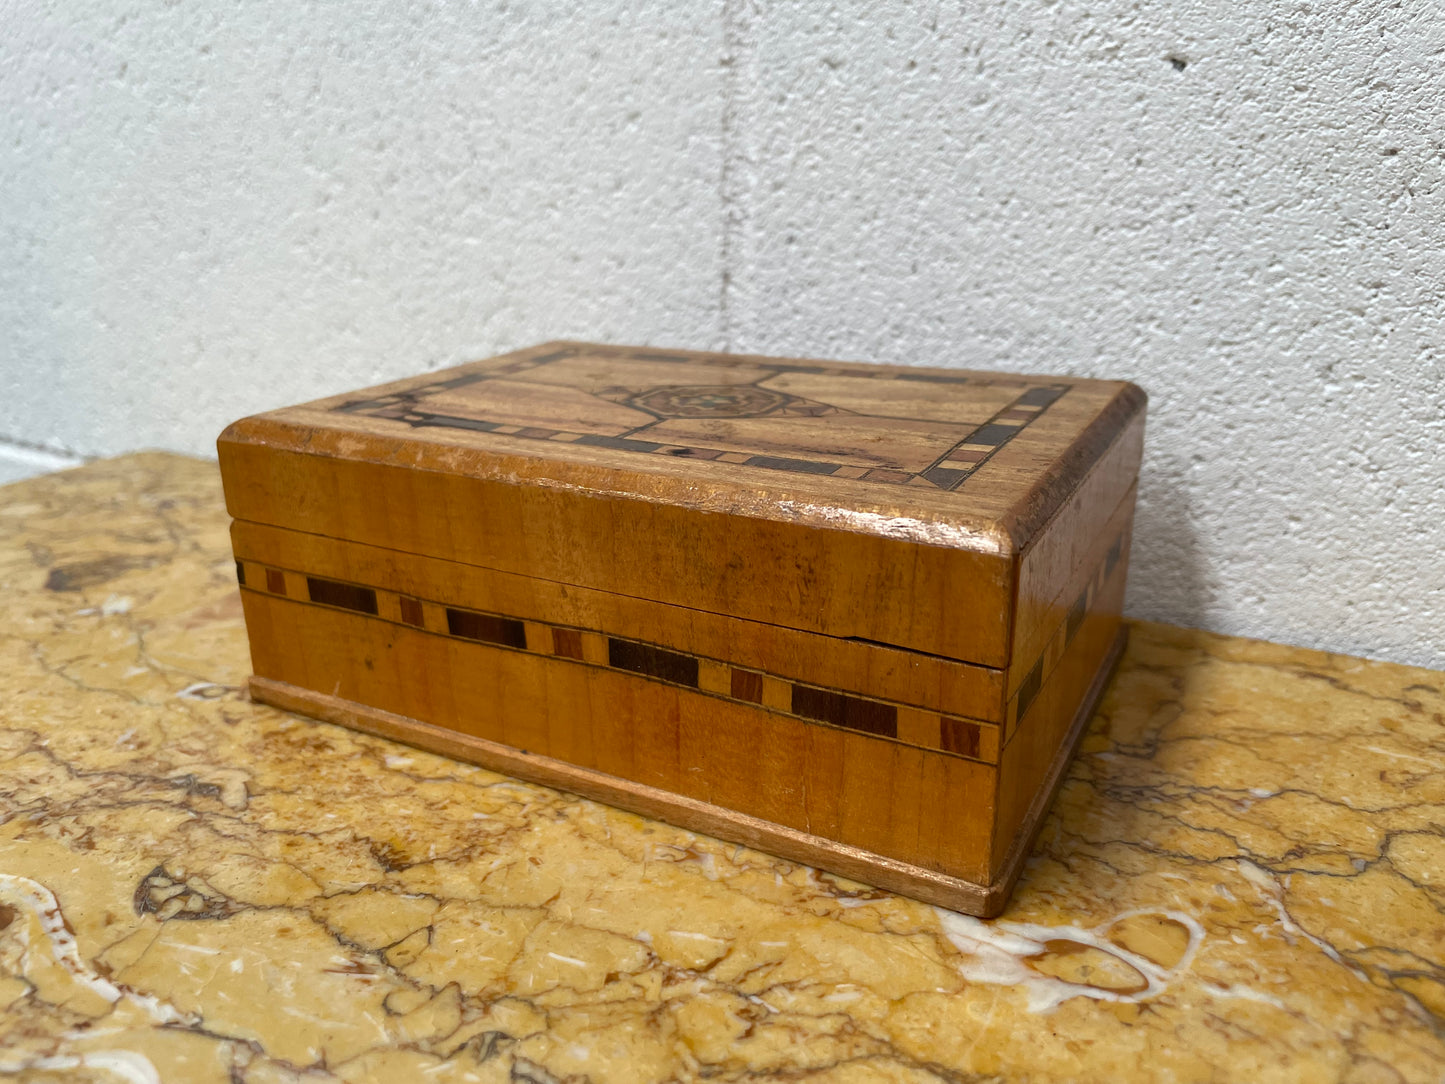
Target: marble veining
{"x":1242,"y":879}
{"x":1012,"y":954}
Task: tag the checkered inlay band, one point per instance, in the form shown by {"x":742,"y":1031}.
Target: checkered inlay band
{"x":972,"y":739}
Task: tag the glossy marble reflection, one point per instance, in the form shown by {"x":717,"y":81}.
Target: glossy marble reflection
{"x":1243,"y":878}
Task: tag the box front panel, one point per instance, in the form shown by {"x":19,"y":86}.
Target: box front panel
{"x":881,"y":587}
{"x":424,"y":587}
{"x":811,"y":759}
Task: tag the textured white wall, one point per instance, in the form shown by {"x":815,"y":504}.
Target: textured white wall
{"x":1238,"y":206}
{"x":210,"y":212}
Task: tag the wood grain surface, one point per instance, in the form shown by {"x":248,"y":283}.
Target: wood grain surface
{"x":984,"y":898}
{"x":860,"y":608}
{"x":924,"y":565}
{"x":906,"y":677}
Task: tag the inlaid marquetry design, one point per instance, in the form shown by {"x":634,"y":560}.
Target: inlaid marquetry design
{"x":969,"y":738}
{"x":717,"y":401}
{"x":1064,"y":635}
{"x":973,"y":739}
{"x":892,"y":426}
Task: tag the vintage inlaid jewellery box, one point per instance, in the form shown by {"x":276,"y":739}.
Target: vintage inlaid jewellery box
{"x":853,"y":615}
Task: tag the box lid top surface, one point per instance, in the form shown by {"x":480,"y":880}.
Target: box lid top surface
{"x":972,"y":460}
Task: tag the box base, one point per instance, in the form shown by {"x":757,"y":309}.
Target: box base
{"x":929,"y":886}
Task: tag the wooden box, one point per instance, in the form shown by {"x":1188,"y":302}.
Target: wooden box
{"x":853,"y":615}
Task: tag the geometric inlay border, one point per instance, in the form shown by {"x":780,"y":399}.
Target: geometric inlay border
{"x":972,"y":739}
{"x":968,"y":738}
{"x":947,"y":472}
{"x":1063,"y":636}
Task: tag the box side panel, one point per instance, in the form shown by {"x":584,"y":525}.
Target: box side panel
{"x":1083,"y":645}
{"x":1032,"y":670}
{"x":419,"y":585}
{"x":842,"y":583}
{"x":933,"y":810}
{"x":1059,"y":560}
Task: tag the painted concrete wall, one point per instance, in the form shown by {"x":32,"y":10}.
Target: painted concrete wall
{"x":210,"y":212}
{"x":1238,"y":206}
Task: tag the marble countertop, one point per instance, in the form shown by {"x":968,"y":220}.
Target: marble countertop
{"x":1243,"y":878}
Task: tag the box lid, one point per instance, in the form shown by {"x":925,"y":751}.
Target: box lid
{"x":882,"y":503}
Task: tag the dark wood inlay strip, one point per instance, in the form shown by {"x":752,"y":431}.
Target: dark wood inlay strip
{"x":747,"y":685}
{"x":802,"y":466}
{"x":850,"y":712}
{"x":1064,"y":635}
{"x":411,"y":612}
{"x":567,"y":643}
{"x":486,"y":628}
{"x":348,"y":596}
{"x":344,"y":596}
{"x":1076,"y":615}
{"x":1030,"y":687}
{"x":824,"y":706}
{"x":652,"y":662}
{"x":1040,"y":397}
{"x":960,"y":736}
{"x":1115,"y":552}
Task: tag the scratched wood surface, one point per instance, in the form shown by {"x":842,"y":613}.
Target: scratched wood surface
{"x":896,"y":527}
{"x":852,"y":613}
{"x":927,"y":681}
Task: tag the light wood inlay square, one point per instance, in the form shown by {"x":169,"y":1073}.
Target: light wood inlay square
{"x":714,"y":677}
{"x":918,"y":727}
{"x":539,"y":637}
{"x":594,"y":648}
{"x":388,"y":606}
{"x":777,"y":694}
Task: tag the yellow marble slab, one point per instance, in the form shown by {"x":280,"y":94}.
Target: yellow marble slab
{"x":1242,"y":880}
